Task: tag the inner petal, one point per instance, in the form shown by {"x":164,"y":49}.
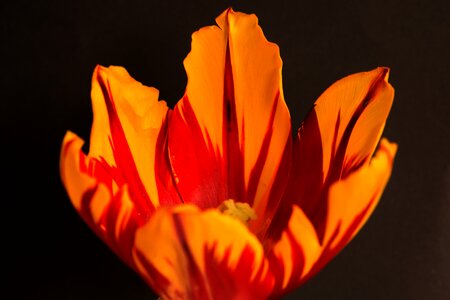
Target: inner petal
{"x":229,"y":136}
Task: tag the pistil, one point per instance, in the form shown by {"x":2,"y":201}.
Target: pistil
{"x":238,"y":210}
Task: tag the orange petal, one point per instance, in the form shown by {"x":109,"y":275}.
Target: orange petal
{"x":129,"y":133}
{"x":229,"y":137}
{"x":351,"y":201}
{"x":296,"y":252}
{"x":337,"y":137}
{"x":111,"y":215}
{"x":184,"y":253}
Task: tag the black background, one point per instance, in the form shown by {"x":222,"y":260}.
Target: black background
{"x":50,"y":48}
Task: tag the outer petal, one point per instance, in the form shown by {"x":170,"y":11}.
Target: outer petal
{"x":111,"y":215}
{"x":350,"y":202}
{"x":338,"y":136}
{"x":201,"y":255}
{"x":295,"y":253}
{"x":229,"y":136}
{"x":117,"y":186}
{"x":129,"y":135}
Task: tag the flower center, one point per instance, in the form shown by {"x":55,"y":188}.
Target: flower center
{"x":238,"y":210}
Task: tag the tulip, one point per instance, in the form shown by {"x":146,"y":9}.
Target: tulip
{"x":215,"y":199}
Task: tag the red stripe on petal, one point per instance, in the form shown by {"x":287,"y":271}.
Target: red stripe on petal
{"x":256,"y":172}
{"x":155,"y":279}
{"x":302,"y":188}
{"x":120,"y":240}
{"x":165,"y":179}
{"x":278,"y":269}
{"x":233,"y":153}
{"x":85,"y":208}
{"x":338,"y":170}
{"x":197,"y":170}
{"x":330,"y":252}
{"x":199,"y":289}
{"x":123,"y":156}
{"x":235,"y":283}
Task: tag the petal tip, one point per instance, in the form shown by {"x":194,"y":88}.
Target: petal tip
{"x":384,"y":72}
{"x":390,"y":148}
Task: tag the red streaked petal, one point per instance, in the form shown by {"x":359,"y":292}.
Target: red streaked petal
{"x":295,"y":253}
{"x":299,"y":254}
{"x":184,"y":253}
{"x":346,"y":108}
{"x":72,"y":163}
{"x":338,"y":136}
{"x":229,"y":137}
{"x":352,"y":200}
{"x":129,"y":134}
{"x":111,"y":215}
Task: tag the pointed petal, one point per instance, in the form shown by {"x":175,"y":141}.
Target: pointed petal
{"x":111,"y":215}
{"x":295,"y":253}
{"x":229,"y":136}
{"x":184,"y":253}
{"x":351,"y":201}
{"x":129,"y":134}
{"x":338,"y":136}
{"x":117,"y":186}
{"x":299,"y":254}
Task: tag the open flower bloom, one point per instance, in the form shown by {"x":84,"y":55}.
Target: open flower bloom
{"x":214,"y":199}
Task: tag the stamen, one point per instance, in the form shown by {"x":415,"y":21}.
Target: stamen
{"x":238,"y":210}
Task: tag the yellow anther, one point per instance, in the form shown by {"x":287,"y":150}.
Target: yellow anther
{"x":238,"y":210}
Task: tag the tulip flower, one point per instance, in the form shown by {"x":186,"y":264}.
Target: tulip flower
{"x":215,"y":199}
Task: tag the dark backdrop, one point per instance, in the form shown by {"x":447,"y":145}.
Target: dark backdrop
{"x":50,"y":48}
